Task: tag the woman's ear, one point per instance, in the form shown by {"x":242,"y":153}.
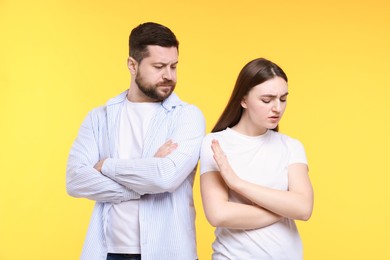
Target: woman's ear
{"x":132,"y":65}
{"x":243,"y":102}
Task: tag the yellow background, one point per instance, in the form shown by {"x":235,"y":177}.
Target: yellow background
{"x":60,"y":59}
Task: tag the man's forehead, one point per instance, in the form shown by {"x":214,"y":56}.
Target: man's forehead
{"x":158,"y":54}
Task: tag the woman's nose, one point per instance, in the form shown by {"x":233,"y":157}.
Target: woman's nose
{"x":276,"y":107}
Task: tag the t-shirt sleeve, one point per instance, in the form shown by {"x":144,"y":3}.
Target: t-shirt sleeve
{"x":207,"y":162}
{"x":297,"y":152}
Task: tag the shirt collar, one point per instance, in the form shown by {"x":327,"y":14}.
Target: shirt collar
{"x":169,"y":103}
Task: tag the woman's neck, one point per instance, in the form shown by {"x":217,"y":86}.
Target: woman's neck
{"x":248,"y":129}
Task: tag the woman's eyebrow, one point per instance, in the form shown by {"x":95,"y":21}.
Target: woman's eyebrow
{"x":274,"y":96}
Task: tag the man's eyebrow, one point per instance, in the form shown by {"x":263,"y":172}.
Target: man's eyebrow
{"x":164,"y":63}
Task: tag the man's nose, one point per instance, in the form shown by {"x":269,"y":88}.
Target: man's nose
{"x":168,"y":73}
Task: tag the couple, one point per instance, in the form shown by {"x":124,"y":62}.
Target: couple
{"x":136,"y":157}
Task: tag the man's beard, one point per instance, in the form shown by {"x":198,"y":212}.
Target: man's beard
{"x":151,"y":91}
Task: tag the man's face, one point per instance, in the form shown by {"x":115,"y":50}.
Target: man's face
{"x":156,"y":74}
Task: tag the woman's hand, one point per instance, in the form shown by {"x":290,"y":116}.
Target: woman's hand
{"x":226,"y":171}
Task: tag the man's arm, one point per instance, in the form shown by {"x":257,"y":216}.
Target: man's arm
{"x":156,"y":175}
{"x":82,"y":180}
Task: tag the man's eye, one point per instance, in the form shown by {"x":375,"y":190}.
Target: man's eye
{"x":266,"y":101}
{"x":283,"y":99}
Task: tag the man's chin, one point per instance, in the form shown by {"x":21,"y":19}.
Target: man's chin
{"x":163,"y":94}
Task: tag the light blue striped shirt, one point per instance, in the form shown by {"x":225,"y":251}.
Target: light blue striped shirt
{"x":163,"y":185}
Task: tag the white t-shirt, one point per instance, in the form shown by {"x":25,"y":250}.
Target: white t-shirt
{"x":122,"y":231}
{"x":262,"y":160}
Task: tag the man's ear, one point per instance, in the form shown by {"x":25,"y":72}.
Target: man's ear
{"x":132,"y":65}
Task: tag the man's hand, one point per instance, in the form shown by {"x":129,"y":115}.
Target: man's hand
{"x":98,"y":166}
{"x":166,"y":149}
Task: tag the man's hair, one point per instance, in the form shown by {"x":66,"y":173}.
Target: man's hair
{"x":150,"y":34}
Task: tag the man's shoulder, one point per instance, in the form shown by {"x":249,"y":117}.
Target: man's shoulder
{"x":117,"y":99}
{"x":190,"y":111}
{"x":174,"y":102}
{"x":101,"y":111}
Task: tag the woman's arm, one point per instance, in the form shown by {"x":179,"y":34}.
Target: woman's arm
{"x":220,"y":212}
{"x":295,"y":203}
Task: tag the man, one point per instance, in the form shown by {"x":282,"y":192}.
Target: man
{"x":136,"y":157}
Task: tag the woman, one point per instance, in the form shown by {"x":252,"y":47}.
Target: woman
{"x":254,"y":180}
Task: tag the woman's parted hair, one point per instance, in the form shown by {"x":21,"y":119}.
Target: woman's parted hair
{"x":252,"y":74}
{"x":150,"y":34}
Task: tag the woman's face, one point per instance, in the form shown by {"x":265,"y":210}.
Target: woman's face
{"x":265,"y":104}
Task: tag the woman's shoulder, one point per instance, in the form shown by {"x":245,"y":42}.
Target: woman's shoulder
{"x":218,"y":134}
{"x":286,"y":139}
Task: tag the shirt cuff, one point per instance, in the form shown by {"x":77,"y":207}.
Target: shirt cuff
{"x":108,"y":168}
{"x":130,"y":195}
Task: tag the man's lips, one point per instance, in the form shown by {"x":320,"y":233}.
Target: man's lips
{"x":165,"y":87}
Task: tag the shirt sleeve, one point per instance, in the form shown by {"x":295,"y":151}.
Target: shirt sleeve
{"x":296,"y":151}
{"x":82,"y":179}
{"x":207,"y":162}
{"x":153,"y":175}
